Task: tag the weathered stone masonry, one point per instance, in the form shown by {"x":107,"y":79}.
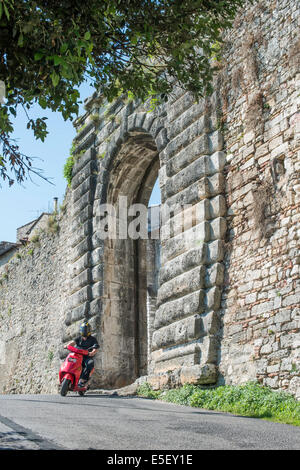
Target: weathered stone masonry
{"x":190,"y":164}
{"x":227,"y":305}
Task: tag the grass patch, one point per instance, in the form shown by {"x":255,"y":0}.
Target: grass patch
{"x":251,"y":400}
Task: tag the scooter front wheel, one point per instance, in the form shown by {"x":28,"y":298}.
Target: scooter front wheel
{"x":65,"y":387}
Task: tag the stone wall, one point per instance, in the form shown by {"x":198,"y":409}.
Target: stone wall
{"x":33,"y":290}
{"x":261,"y":123}
{"x":227,"y":305}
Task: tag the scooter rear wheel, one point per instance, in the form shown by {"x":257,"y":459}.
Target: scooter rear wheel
{"x":65,"y":387}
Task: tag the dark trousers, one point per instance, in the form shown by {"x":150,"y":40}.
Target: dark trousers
{"x":87,"y":367}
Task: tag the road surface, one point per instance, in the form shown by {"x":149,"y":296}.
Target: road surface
{"x":52,"y":422}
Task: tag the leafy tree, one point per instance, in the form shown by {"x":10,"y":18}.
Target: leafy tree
{"x":49,"y":47}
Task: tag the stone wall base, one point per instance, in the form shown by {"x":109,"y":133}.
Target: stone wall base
{"x":196,"y":375}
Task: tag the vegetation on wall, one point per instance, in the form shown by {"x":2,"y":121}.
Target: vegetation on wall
{"x":68,"y":169}
{"x":49,"y":48}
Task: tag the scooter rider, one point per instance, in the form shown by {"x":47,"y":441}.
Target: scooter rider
{"x":86,"y":341}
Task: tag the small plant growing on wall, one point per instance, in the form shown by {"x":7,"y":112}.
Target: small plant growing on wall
{"x":36,"y":240}
{"x":72,"y":158}
{"x":53,"y":226}
{"x":68,"y":169}
{"x":95,"y":118}
{"x":50,"y":356}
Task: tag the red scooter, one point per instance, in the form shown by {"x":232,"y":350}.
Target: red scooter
{"x":70,"y":372}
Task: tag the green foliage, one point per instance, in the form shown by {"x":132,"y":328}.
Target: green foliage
{"x":250,"y":399}
{"x":81,"y":128}
{"x":95,"y":118}
{"x":48,"y":49}
{"x":146,"y":391}
{"x":68,"y":169}
{"x":181,"y":395}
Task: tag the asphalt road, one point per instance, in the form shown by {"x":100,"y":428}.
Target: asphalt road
{"x":52,"y":422}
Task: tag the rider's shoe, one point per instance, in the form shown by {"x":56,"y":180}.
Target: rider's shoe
{"x":81,"y":383}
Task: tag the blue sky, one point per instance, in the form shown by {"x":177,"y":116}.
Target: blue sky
{"x":21,"y":204}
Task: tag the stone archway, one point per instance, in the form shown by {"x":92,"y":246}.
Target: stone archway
{"x":182,"y":143}
{"x":124,"y":324}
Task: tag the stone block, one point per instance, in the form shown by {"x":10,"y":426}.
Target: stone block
{"x":218,"y":229}
{"x":186,"y":177}
{"x":85,"y":159}
{"x":173,"y":365}
{"x":216,"y":184}
{"x":83,"y":215}
{"x":210,"y":322}
{"x":85,"y":200}
{"x":80,"y":312}
{"x":214,"y":275}
{"x":192,"y":118}
{"x":161,"y":139}
{"x":215,"y":252}
{"x":203,"y":210}
{"x":188,"y":154}
{"x":202,"y":189}
{"x":71,"y":332}
{"x":80,"y":265}
{"x":213,"y":298}
{"x":97,"y":241}
{"x":83,"y":279}
{"x":184,"y":262}
{"x":291,"y":300}
{"x":179,"y":332}
{"x":97,"y":273}
{"x":158,"y":381}
{"x":181,"y":285}
{"x":87,"y":185}
{"x":97,"y":255}
{"x":81,"y":296}
{"x":215,"y":162}
{"x":199,"y":374}
{"x":139,"y":120}
{"x":81,"y":249}
{"x":194,"y":237}
{"x":283,"y":316}
{"x":216,"y":142}
{"x":81,"y":231}
{"x":177,"y":309}
{"x":95,"y":321}
{"x":209,"y":346}
{"x":95,"y":307}
{"x":83,"y":174}
{"x":177,"y":352}
{"x":97,"y":290}
{"x":157,"y":125}
{"x":217,"y":207}
{"x":179,"y":106}
{"x":148,"y":121}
